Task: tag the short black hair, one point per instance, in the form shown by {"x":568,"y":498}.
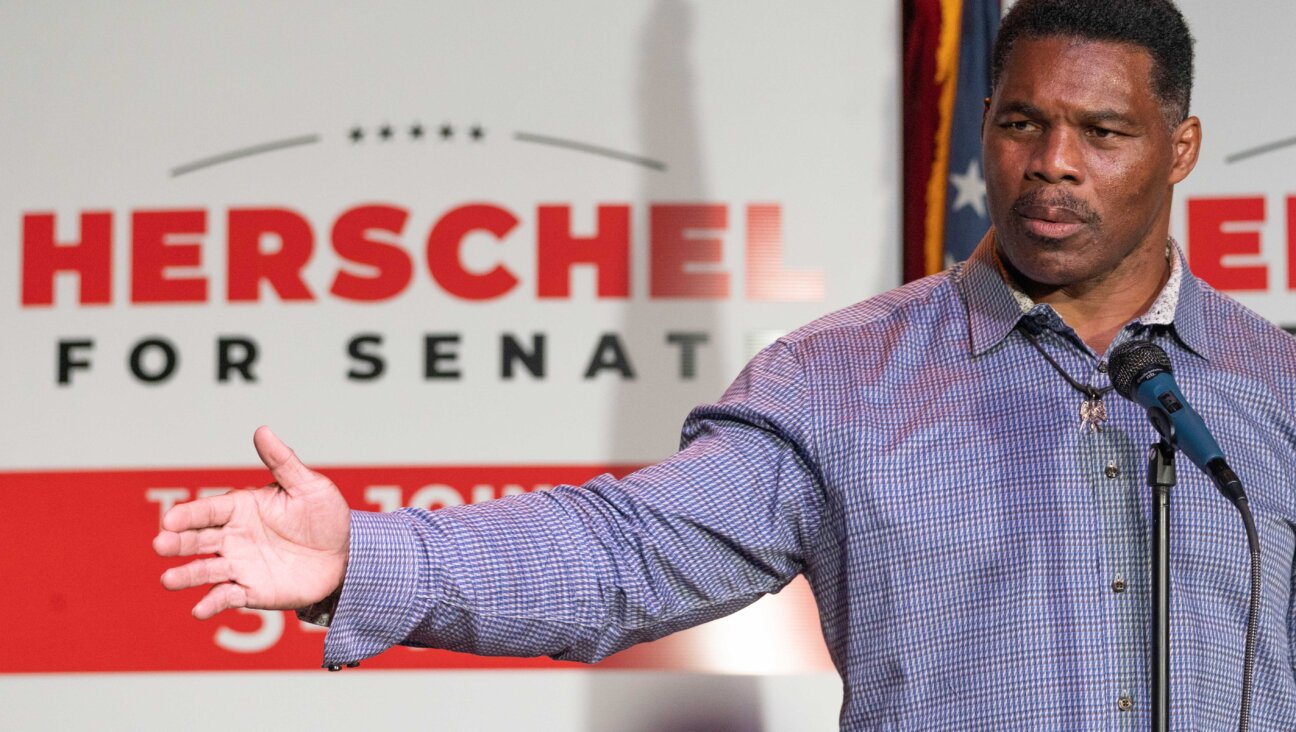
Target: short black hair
{"x":1157,"y":26}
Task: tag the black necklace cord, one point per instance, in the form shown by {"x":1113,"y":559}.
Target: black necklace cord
{"x":1028,"y":329}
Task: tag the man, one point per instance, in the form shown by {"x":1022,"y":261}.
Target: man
{"x":944,"y":462}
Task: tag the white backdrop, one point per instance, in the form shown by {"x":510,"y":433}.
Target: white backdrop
{"x":176,"y":175}
{"x":742,"y":105}
{"x":1243,"y":239}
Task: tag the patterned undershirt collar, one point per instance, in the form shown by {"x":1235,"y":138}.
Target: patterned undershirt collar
{"x":1162,"y":310}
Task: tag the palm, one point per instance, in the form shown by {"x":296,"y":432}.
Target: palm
{"x":279,"y":547}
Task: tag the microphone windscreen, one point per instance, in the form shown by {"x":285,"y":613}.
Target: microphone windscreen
{"x":1132,"y":361}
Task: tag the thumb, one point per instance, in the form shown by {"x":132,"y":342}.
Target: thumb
{"x":287,"y":470}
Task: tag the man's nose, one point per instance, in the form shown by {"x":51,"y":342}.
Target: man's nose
{"x":1057,"y":157}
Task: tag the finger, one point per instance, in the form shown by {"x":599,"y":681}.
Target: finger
{"x":188,"y":543}
{"x":198,"y":572}
{"x":287,"y":470}
{"x":200,"y":514}
{"x":221,"y":597}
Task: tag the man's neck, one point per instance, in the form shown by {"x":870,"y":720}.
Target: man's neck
{"x":1098,"y":318}
{"x":1097,"y":309}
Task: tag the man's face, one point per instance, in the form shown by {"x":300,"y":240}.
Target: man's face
{"x":1080,"y":162}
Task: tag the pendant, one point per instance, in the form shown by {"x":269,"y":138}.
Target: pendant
{"x":1093,"y":413}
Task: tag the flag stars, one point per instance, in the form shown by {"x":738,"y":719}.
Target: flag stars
{"x":969,"y":189}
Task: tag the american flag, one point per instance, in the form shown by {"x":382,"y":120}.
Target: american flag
{"x":947,"y":78}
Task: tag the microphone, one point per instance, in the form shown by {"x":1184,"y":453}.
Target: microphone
{"x":1141,"y":372}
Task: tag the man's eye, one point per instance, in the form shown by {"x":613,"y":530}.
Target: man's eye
{"x":1019,"y":125}
{"x":1101,"y":133}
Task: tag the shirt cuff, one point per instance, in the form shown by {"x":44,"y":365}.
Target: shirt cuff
{"x":379,"y":605}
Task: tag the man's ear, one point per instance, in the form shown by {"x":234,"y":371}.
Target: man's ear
{"x":985,"y":115}
{"x":1186,"y":139}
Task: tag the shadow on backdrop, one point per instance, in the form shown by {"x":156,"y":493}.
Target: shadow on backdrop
{"x":668,"y":130}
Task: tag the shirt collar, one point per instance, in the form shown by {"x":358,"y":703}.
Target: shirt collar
{"x":995,"y":305}
{"x":1189,"y":318}
{"x":993,"y":312}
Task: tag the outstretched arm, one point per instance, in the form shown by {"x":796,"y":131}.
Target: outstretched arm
{"x":280,"y":547}
{"x":579,"y":573}
{"x":573,"y":573}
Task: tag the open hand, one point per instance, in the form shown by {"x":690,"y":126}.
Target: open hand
{"x":280,"y":547}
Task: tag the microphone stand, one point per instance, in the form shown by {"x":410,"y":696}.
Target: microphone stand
{"x":1161,"y":477}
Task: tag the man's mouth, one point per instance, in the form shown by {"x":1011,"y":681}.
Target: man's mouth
{"x":1050,"y":222}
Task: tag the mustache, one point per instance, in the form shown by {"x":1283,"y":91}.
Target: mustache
{"x":1056,"y":199}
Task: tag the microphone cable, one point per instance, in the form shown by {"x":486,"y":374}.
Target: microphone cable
{"x":1248,"y":663}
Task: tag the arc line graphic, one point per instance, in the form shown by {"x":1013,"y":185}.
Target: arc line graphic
{"x":1261,"y":150}
{"x":244,"y":152}
{"x":591,"y":149}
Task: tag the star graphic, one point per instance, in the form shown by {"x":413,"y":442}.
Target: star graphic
{"x":357,"y":134}
{"x":477,"y":133}
{"x":969,"y":189}
{"x":385,"y":132}
{"x":447,"y":131}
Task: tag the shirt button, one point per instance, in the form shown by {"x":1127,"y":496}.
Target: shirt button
{"x":1125,"y":702}
{"x":1112,"y":470}
{"x":1118,"y":584}
{"x":1102,"y":366}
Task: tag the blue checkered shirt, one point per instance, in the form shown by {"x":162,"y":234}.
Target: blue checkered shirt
{"x":980,"y":561}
